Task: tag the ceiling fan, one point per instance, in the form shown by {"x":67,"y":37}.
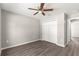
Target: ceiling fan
{"x":40,"y":9}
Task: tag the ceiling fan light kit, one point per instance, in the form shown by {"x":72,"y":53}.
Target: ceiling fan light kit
{"x":41,"y":9}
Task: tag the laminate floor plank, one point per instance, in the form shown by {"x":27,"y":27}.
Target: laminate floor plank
{"x":44,"y":48}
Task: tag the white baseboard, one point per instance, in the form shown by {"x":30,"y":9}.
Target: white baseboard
{"x":19,"y":44}
{"x":61,"y":45}
{"x":27,"y":43}
{"x":55,"y":43}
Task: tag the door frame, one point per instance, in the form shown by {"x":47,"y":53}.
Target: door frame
{"x":70,"y":20}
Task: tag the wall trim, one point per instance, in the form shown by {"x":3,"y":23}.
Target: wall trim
{"x":61,"y":45}
{"x":55,"y":43}
{"x":19,"y":44}
{"x":29,"y":42}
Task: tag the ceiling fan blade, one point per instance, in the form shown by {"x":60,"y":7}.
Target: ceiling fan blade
{"x":43,"y":13}
{"x":35,"y":13}
{"x":32,"y":9}
{"x":41,"y":6}
{"x":48,"y":9}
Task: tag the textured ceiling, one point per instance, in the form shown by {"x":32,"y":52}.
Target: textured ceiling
{"x":22,"y":8}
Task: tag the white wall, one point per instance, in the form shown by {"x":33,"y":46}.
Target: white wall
{"x":68,"y":30}
{"x":0,"y":31}
{"x":75,"y":29}
{"x":55,"y":30}
{"x":49,"y":31}
{"x":61,"y":29}
{"x":18,"y":29}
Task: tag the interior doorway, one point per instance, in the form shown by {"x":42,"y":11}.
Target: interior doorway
{"x":74,"y":29}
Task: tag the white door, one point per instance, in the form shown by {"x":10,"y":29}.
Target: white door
{"x":49,"y":31}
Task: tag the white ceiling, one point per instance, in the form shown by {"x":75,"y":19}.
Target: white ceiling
{"x":22,"y":8}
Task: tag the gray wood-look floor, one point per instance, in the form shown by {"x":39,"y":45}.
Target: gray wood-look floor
{"x":44,"y":48}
